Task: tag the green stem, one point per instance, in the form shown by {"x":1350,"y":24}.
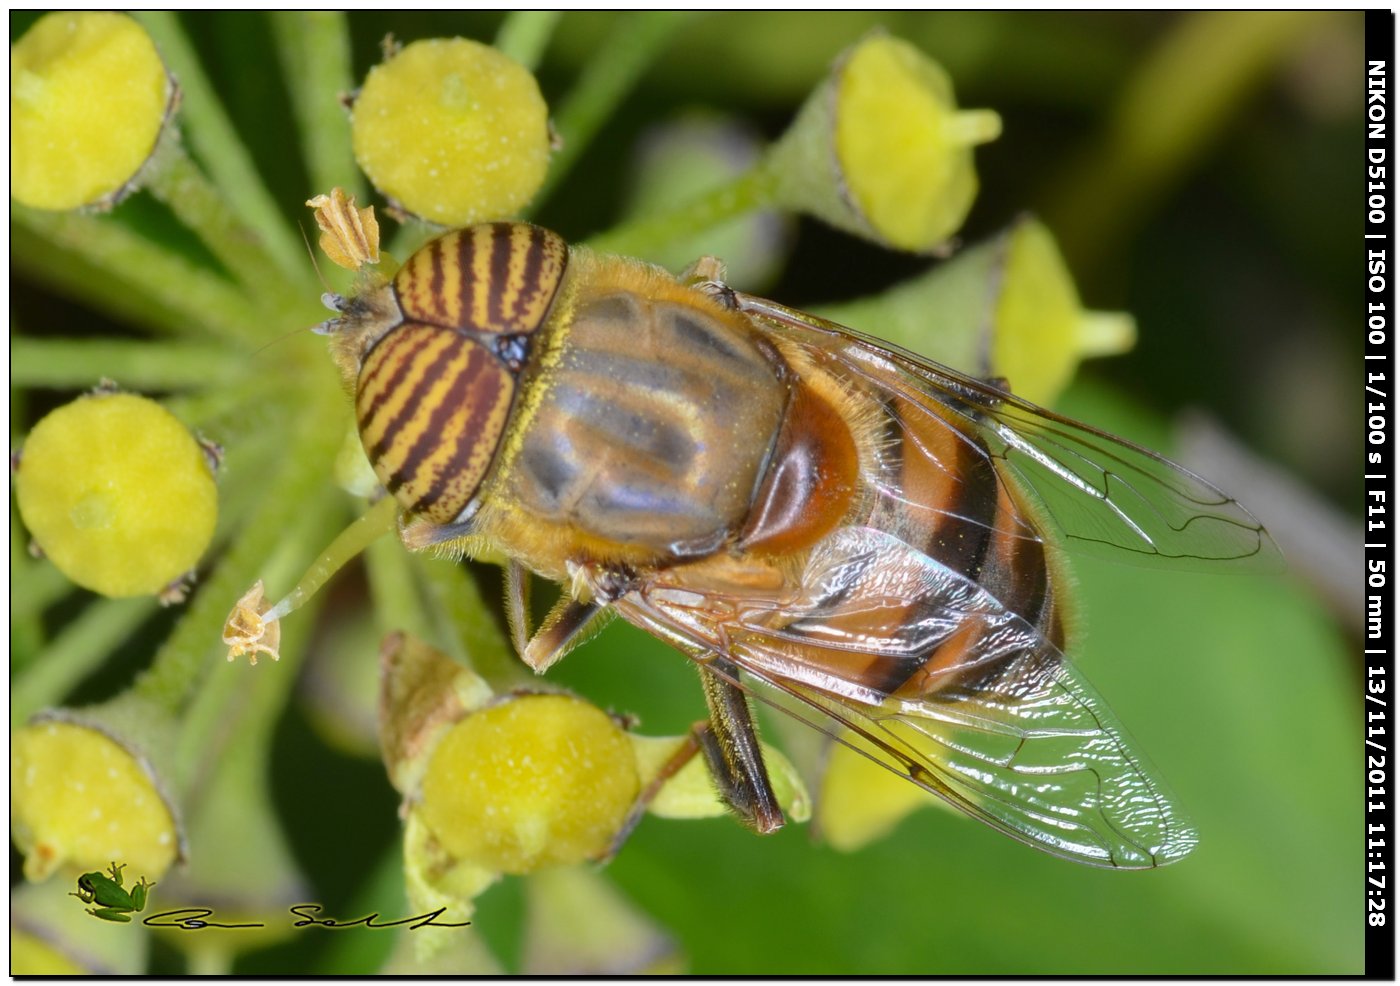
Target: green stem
{"x":82,"y":646}
{"x":34,"y":586}
{"x":237,"y":848}
{"x":243,"y":411}
{"x":218,"y":145}
{"x":177,"y":181}
{"x":647,"y":236}
{"x":135,"y":365}
{"x":105,"y":264}
{"x":225,"y":705}
{"x":636,"y":41}
{"x":315,"y":55}
{"x":362,"y":532}
{"x":301,"y":487}
{"x":525,"y":34}
{"x":475,"y":635}
{"x":397,"y":602}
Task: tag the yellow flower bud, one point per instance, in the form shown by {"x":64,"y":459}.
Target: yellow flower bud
{"x":881,"y":149}
{"x":89,"y":96}
{"x":453,"y":131}
{"x":1005,"y":308}
{"x":535,"y":781}
{"x":1041,"y":330}
{"x":861,"y":801}
{"x":423,"y":693}
{"x":690,"y":792}
{"x":117,"y":493}
{"x":78,"y":797}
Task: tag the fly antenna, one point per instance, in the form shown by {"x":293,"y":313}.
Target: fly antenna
{"x":315,"y":264}
{"x":281,"y":338}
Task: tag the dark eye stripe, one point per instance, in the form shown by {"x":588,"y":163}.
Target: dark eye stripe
{"x":498,"y":277}
{"x":439,"y":430}
{"x":503,"y":259}
{"x":457,"y":398}
{"x":479,"y":404}
{"x":422,"y":365}
{"x":397,"y":352}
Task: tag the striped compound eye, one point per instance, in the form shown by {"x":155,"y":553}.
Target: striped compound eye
{"x":435,"y":392}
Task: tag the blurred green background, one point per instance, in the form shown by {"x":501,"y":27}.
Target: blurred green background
{"x":1202,"y":172}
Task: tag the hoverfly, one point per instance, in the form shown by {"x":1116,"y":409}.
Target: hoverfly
{"x":839,"y":527}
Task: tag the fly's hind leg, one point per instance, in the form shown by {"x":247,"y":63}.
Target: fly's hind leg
{"x":568,"y":624}
{"x":730,"y":744}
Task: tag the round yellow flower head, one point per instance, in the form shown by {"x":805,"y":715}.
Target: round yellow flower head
{"x":1006,"y":308}
{"x":535,"y":781}
{"x":905,"y":148}
{"x":117,"y":493}
{"x":78,"y":797}
{"x":88,"y":98}
{"x":862,"y":801}
{"x":881,"y":149}
{"x":1041,"y":331}
{"x":453,"y":131}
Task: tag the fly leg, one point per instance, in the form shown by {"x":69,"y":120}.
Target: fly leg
{"x":568,"y":624}
{"x":730,"y":744}
{"x":707,"y":275}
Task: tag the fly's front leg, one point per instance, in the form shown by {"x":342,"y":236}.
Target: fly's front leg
{"x":568,"y":624}
{"x":729,"y":742}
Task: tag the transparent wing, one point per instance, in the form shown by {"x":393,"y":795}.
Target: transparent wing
{"x":1007,"y":731}
{"x":1099,"y":491}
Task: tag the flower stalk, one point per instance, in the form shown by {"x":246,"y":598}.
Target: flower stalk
{"x":111,"y":267}
{"x":636,"y":41}
{"x":178,"y":182}
{"x":314,"y":50}
{"x":215,"y":140}
{"x":524,"y":34}
{"x":754,"y":189}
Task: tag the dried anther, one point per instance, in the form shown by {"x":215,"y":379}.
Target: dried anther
{"x":349,"y":236}
{"x":245,"y":630}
